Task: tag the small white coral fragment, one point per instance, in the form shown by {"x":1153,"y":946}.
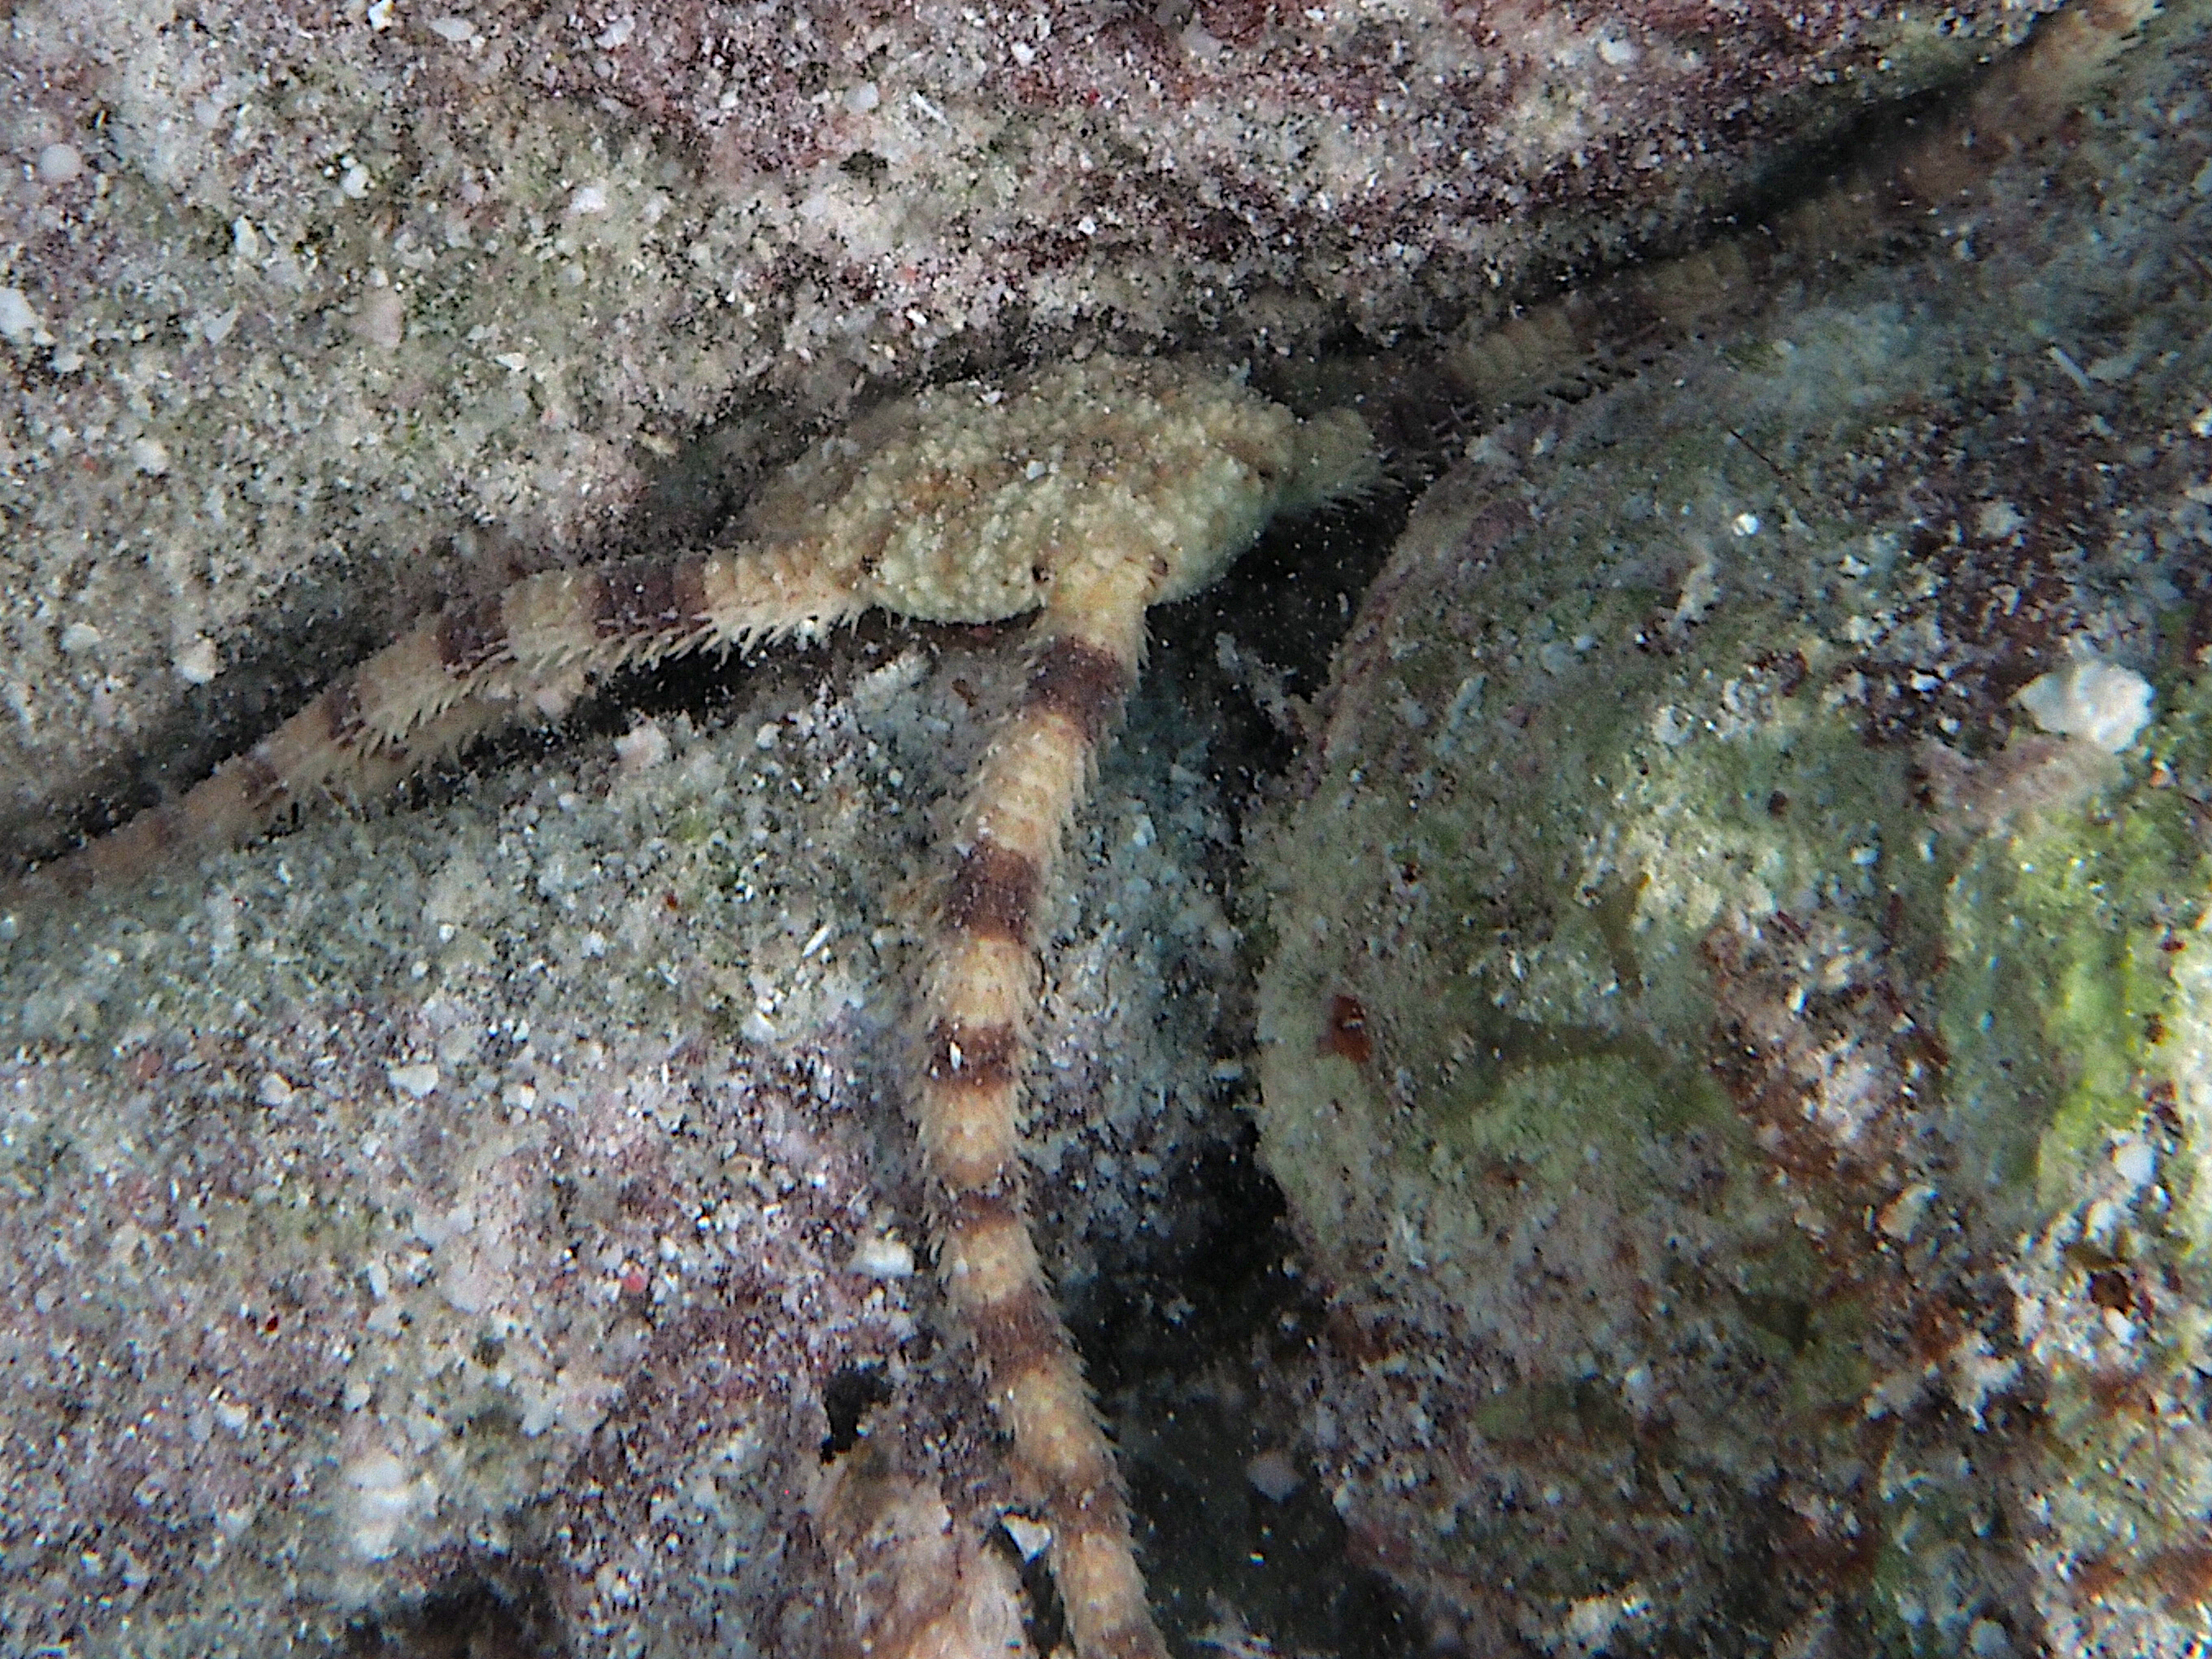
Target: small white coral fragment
{"x":18,"y":322}
{"x":418,"y":1082}
{"x":198,"y":662}
{"x":884,"y":1256}
{"x":2096,"y":701}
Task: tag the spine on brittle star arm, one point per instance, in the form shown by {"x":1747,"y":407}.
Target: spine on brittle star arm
{"x":472,"y":668}
{"x":979,"y":996}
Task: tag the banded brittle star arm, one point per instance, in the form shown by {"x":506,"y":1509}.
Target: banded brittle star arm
{"x":978,"y":1005}
{"x":1084,"y":494}
{"x":469,"y":671}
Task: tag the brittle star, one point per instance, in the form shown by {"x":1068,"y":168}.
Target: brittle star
{"x":1085,"y":494}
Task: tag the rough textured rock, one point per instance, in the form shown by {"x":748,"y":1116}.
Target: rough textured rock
{"x":314,"y":321}
{"x":313,"y":316}
{"x":507,"y":1195}
{"x":1741,"y":1067}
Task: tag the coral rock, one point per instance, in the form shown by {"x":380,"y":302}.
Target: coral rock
{"x":1746,"y":1085}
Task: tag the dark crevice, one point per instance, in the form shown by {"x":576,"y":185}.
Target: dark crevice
{"x":506,"y":1614}
{"x":1188,"y":1339}
{"x":849,"y":1396}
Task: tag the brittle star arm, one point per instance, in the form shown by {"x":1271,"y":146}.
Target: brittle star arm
{"x":979,"y":1000}
{"x":470,"y":670}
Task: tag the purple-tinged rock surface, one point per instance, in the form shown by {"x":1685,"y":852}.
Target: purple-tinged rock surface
{"x":317,"y":316}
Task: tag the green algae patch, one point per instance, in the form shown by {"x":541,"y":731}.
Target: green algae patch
{"x":1543,"y":1114}
{"x":2059,"y":988}
{"x":1533,"y":963}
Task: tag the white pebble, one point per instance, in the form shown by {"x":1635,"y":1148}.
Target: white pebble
{"x":590,"y":198}
{"x":885,"y":1256}
{"x":643,"y":747}
{"x":382,"y":320}
{"x":2096,"y":701}
{"x":416,"y":1081}
{"x":2135,"y":1161}
{"x":1668,"y":726}
{"x":1997,"y":519}
{"x":382,"y":1499}
{"x":150,"y":456}
{"x":198,"y":662}
{"x":59,"y":163}
{"x":18,"y":322}
{"x":79,"y":637}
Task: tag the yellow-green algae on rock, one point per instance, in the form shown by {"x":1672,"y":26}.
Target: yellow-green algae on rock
{"x":1744,"y":1084}
{"x":1646,"y":1192}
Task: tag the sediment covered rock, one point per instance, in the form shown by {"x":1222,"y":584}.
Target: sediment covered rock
{"x":1735,"y":1034}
